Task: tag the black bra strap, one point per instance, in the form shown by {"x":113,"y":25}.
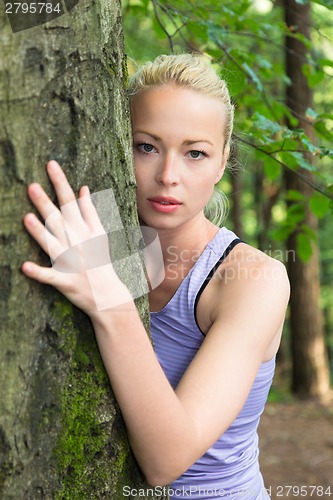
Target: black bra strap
{"x":211,"y":273}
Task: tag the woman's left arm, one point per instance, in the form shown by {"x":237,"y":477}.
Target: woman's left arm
{"x":169,"y":430}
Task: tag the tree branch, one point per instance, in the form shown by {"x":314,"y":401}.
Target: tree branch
{"x":317,"y":187}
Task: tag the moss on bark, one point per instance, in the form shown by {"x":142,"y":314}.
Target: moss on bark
{"x":62,"y":96}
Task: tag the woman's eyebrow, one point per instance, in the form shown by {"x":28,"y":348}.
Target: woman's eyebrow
{"x":147,"y":133}
{"x":189,"y":142}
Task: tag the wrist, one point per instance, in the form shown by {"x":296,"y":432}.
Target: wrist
{"x":103,"y":316}
{"x":109,"y":293}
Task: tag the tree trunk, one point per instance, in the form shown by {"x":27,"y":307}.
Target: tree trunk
{"x":310,"y":376}
{"x":62,"y":97}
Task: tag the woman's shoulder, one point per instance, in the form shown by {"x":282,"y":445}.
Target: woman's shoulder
{"x":246,"y":282}
{"x":247,"y":271}
{"x":249,"y":263}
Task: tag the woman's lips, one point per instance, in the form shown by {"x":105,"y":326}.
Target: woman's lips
{"x":164,"y":204}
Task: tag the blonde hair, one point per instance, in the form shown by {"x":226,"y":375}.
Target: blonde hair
{"x":194,"y":73}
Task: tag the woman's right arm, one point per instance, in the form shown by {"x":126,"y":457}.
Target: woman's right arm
{"x":154,"y":416}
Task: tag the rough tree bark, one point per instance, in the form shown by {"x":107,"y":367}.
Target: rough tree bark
{"x":310,"y":367}
{"x":61,"y":97}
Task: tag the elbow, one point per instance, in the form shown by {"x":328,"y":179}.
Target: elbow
{"x":156,"y":481}
{"x":162,"y":478}
{"x":166,"y":462}
{"x":163,"y":474}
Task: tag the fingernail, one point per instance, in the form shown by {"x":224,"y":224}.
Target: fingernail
{"x":53,"y":165}
{"x":27,"y":267}
{"x":34,"y":189}
{"x":31,"y":219}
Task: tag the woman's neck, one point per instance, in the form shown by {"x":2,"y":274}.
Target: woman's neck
{"x":186,"y":243}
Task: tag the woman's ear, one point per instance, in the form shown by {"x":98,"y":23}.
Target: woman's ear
{"x":224,"y":160}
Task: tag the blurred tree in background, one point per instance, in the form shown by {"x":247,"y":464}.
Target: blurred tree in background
{"x":280,"y":184}
{"x":310,"y":375}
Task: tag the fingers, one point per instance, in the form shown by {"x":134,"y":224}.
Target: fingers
{"x":69,"y":219}
{"x":41,"y":274}
{"x":41,"y":200}
{"x":49,"y":243}
{"x":75,"y":222}
{"x":89,"y":212}
{"x":64,"y":192}
{"x":49,"y":212}
{"x":72,"y":218}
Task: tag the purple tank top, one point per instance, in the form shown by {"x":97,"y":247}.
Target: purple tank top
{"x":230,"y":468}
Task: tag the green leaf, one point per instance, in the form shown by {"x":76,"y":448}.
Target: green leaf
{"x":272,"y":168}
{"x":267,"y":125}
{"x":319,"y":205}
{"x":322,"y":130}
{"x":326,"y":3}
{"x":304,"y":246}
{"x":215,"y":32}
{"x":264,"y":63}
{"x":329,"y":116}
{"x":311,"y":115}
{"x":253,"y":76}
{"x":296,"y":160}
{"x":273,"y":147}
{"x":282,"y":233}
{"x":309,"y":232}
{"x":303,"y":163}
{"x":197,"y":28}
{"x":302,"y":38}
{"x":293,"y":195}
{"x":308,"y":145}
{"x":281,"y":111}
{"x":325,"y":152}
{"x":236,"y":81}
{"x":325,"y":62}
{"x":312,"y":75}
{"x":295,"y":214}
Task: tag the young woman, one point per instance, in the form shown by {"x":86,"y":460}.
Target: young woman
{"x":192,"y":404}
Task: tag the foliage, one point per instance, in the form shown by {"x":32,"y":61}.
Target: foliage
{"x":247,"y":47}
{"x":245,"y":40}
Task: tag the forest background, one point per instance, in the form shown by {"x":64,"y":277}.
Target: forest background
{"x":62,"y":95}
{"x":275,"y":139}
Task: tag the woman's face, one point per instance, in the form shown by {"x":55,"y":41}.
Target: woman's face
{"x":178,"y":153}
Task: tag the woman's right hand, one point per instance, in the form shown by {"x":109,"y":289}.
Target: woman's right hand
{"x":77,"y":244}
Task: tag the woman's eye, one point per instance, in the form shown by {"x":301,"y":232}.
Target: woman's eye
{"x":145,"y":148}
{"x":195,"y":154}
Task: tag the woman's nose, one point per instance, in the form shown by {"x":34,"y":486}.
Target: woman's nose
{"x":168,"y":171}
